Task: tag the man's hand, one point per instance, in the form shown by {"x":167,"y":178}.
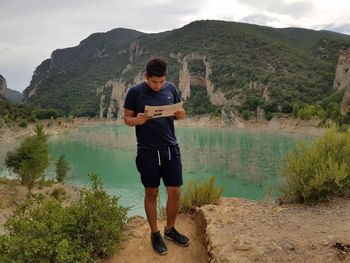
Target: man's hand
{"x":141,"y":118}
{"x":180,"y":115}
{"x":132,"y":120}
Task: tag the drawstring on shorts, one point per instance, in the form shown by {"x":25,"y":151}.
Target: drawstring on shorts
{"x":169,"y":154}
{"x":159,"y":159}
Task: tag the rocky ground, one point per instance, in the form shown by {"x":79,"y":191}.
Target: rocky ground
{"x":242,"y":231}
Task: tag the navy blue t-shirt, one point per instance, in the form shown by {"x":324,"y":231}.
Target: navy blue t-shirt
{"x":157,"y":132}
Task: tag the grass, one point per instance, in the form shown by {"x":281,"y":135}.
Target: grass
{"x":196,"y":194}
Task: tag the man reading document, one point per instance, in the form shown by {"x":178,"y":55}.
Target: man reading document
{"x":158,"y":154}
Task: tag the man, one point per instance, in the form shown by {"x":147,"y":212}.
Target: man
{"x":158,"y":154}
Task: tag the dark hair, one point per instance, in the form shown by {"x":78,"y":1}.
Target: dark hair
{"x":156,"y":67}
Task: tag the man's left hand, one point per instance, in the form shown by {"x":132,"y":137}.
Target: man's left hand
{"x":180,"y":115}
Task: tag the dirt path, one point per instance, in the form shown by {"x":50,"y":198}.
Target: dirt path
{"x":138,"y":249}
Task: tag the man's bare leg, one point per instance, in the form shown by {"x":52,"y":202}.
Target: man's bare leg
{"x":172,"y":206}
{"x":151,"y":207}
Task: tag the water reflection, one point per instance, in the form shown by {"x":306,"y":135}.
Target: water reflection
{"x":245,"y":164}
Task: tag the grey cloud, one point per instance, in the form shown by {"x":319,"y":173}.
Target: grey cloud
{"x":32,"y":29}
{"x":296,"y":9}
{"x":258,"y":19}
{"x":343,"y":28}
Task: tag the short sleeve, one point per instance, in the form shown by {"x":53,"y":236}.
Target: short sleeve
{"x":131,"y":99}
{"x":176,"y":95}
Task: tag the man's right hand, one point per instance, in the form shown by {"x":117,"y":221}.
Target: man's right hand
{"x":141,"y":118}
{"x":132,"y":120}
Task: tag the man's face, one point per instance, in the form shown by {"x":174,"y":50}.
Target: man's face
{"x":154,"y":82}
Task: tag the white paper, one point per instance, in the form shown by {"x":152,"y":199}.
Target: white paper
{"x":162,"y":111}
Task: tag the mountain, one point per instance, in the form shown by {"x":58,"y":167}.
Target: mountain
{"x":14,"y":96}
{"x":217,"y":65}
{"x":6,"y":93}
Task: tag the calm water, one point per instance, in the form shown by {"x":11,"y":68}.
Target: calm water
{"x":245,"y":164}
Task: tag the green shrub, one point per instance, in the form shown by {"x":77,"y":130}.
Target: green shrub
{"x":30,"y":159}
{"x":246,"y":114}
{"x":43,"y":230}
{"x":62,"y":168}
{"x":270,"y":106}
{"x":196,"y":194}
{"x":23,"y":124}
{"x":296,"y":108}
{"x":268,"y":116}
{"x":48,"y":113}
{"x":59,"y":193}
{"x":287,"y":107}
{"x":318,"y":171}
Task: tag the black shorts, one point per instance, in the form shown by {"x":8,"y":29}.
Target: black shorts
{"x":164,"y":162}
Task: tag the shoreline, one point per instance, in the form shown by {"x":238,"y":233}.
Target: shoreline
{"x":11,"y":137}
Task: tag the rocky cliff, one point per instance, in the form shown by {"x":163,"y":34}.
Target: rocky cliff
{"x":342,"y":78}
{"x":3,"y":88}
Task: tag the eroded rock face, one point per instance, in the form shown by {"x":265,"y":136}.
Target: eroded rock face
{"x":3,"y":88}
{"x":186,"y":79}
{"x":342,"y":78}
{"x":116,"y":99}
{"x":134,"y":50}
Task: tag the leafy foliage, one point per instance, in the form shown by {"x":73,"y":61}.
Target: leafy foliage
{"x":43,"y":230}
{"x":30,"y":159}
{"x":199,"y":103}
{"x":195,"y":194}
{"x":318,"y":171}
{"x":62,"y":168}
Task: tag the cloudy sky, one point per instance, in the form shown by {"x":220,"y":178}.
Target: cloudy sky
{"x":30,"y":30}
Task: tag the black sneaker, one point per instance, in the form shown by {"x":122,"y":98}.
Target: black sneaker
{"x":158,"y":243}
{"x":175,"y":236}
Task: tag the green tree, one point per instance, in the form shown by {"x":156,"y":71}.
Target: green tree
{"x":296,"y":108}
{"x":30,"y":159}
{"x":62,"y":168}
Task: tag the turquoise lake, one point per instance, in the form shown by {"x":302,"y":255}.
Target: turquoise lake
{"x":245,"y":164}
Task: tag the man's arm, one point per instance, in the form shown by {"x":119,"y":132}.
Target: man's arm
{"x":132,"y":120}
{"x":180,"y":115}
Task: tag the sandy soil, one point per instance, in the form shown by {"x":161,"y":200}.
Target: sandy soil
{"x":137,"y":247}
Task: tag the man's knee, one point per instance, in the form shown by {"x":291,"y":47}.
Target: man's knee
{"x":174,"y":192}
{"x":151,"y":194}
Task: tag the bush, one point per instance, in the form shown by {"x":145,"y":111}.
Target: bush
{"x":197,"y":194}
{"x":30,"y":159}
{"x":43,"y":230}
{"x":287,"y":107}
{"x":23,"y":124}
{"x":318,"y":171}
{"x":270,"y":106}
{"x":246,"y":114}
{"x":296,"y":109}
{"x":42,"y":114}
{"x":62,"y":168}
{"x":268,"y":116}
{"x":59,"y":193}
